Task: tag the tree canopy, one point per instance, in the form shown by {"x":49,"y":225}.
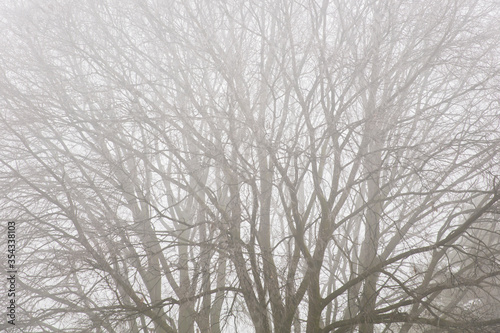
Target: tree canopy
{"x":252,"y":166}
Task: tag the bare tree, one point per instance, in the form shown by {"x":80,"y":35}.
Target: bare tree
{"x":220,"y":166}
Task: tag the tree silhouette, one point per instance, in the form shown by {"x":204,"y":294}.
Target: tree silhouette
{"x":223,"y":166}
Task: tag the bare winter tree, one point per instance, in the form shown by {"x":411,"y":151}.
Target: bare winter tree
{"x":253,"y":166}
